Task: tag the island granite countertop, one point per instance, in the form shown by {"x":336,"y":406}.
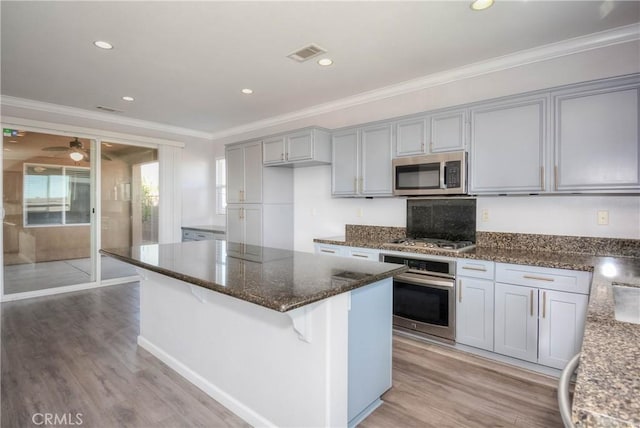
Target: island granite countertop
{"x":281,"y":280}
{"x":607,"y":392}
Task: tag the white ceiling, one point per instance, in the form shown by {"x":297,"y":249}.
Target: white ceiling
{"x":186,"y":62}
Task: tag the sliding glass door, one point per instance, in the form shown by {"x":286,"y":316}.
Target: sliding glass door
{"x":129,"y":194}
{"x":47,"y":224}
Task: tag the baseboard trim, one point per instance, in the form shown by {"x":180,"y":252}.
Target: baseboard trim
{"x":213,"y":391}
{"x":67,"y":289}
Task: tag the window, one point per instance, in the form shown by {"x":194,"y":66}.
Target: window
{"x":56,"y":195}
{"x":221,"y":186}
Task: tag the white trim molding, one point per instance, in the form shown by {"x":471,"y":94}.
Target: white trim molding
{"x":626,"y":34}
{"x":33,"y":105}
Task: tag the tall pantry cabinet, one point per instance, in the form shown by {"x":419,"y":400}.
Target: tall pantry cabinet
{"x":257,"y":196}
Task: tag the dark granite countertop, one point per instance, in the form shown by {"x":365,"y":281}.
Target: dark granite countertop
{"x":607,"y":390}
{"x":277,"y":279}
{"x":207,"y":228}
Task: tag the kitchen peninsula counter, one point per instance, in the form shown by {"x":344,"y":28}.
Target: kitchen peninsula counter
{"x":280,"y":338}
{"x":607,"y":392}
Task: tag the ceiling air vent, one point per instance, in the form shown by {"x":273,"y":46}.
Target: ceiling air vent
{"x":306,"y":53}
{"x":109,"y":109}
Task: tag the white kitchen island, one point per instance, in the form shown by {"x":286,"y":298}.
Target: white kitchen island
{"x":280,"y":338}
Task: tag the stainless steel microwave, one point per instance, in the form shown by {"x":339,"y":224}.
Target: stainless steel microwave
{"x":437,"y":174}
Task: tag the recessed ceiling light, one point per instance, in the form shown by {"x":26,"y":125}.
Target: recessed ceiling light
{"x":7,"y":149}
{"x":247,"y":91}
{"x":103,"y":45}
{"x":12,"y":141}
{"x":325,"y":61}
{"x":481,"y":4}
{"x":107,"y":144}
{"x":127,"y":98}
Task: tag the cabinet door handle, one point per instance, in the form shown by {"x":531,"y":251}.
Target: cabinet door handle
{"x":481,"y":269}
{"x":459,"y":290}
{"x":538,"y":278}
{"x":241,"y":197}
{"x":360,"y":255}
{"x":327,"y":251}
{"x":286,"y":156}
{"x":241,"y":213}
{"x":531,"y":303}
{"x":541,"y":178}
{"x":281,"y":156}
{"x":544,"y":304}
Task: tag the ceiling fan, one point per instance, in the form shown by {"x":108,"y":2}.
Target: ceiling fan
{"x":76,"y":150}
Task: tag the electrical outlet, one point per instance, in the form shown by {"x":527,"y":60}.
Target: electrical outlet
{"x":485,"y":215}
{"x":603,"y":217}
{"x":360,"y":212}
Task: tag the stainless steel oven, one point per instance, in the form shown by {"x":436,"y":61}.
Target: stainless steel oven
{"x":424,"y":296}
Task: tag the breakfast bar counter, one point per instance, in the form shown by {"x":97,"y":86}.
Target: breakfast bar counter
{"x":281,"y":338}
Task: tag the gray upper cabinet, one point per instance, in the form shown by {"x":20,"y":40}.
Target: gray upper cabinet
{"x":507,"y":148}
{"x":448,"y":131}
{"x":244,"y":173}
{"x":307,"y":147}
{"x":596,"y":137}
{"x":361,"y":162}
{"x":375,"y":178}
{"x":411,"y":137}
{"x":344,"y":163}
{"x":273,"y":150}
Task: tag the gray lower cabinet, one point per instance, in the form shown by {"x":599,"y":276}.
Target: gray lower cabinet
{"x":508,"y":141}
{"x":361,"y":162}
{"x":474,"y":303}
{"x":540,"y":313}
{"x":596,"y":137}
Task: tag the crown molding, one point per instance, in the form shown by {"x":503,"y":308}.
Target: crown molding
{"x":84,"y":132}
{"x":41,"y":106}
{"x":629,"y":33}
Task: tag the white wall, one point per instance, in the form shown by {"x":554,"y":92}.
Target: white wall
{"x":570,"y":215}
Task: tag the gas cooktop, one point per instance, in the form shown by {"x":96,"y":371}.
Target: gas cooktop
{"x":441,"y":244}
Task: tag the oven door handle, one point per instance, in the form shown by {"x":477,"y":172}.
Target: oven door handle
{"x":425,"y":280}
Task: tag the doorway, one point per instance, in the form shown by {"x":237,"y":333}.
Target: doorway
{"x":130,"y":202}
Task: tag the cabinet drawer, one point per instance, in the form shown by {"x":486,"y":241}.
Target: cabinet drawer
{"x":329,"y":250}
{"x":475,"y":268}
{"x":546,"y":278}
{"x":364,"y":254}
{"x":197,"y":235}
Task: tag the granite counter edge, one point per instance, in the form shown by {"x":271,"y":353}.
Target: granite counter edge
{"x":274,"y":305}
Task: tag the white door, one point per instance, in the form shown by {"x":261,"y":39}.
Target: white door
{"x":448,"y":131}
{"x":273,"y":149}
{"x":235,"y":174}
{"x":516,"y":321}
{"x":344,"y":164}
{"x":562,"y":318}
{"x":376,"y":170}
{"x":253,"y":173}
{"x":411,"y":137}
{"x":508,"y":147}
{"x":474,"y":313}
{"x":596,"y":139}
{"x":299,"y":146}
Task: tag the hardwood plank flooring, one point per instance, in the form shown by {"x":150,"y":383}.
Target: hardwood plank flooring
{"x":77,"y":353}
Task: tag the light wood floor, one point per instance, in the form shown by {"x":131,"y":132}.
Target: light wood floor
{"x":77,"y":353}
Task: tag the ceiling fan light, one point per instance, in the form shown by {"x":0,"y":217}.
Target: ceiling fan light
{"x":76,"y":156}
